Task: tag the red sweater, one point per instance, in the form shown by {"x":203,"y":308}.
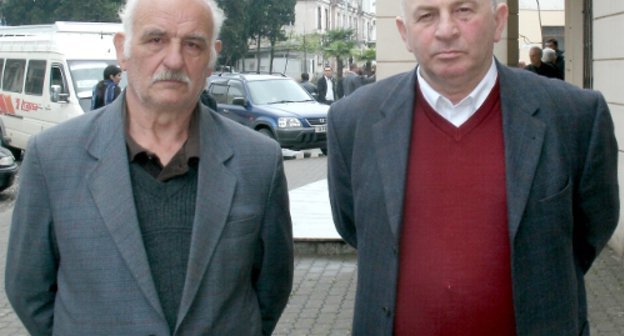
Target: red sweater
{"x":454,"y":267}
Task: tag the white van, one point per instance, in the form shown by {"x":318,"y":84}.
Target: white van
{"x":47,"y":73}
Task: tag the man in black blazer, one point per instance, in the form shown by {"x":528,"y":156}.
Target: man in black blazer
{"x":326,"y":86}
{"x":537,"y":166}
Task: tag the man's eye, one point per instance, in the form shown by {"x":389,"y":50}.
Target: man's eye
{"x":424,"y":17}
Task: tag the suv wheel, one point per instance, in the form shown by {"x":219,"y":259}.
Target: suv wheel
{"x":267,"y":132}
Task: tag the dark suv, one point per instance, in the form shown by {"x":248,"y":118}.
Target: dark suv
{"x":274,"y":105}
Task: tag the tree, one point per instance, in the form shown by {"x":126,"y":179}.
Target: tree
{"x":368,"y":55}
{"x":235,"y":31}
{"x":308,"y":43}
{"x":266,"y":20}
{"x":280,"y":13}
{"x":20,"y":12}
{"x":338,"y":43}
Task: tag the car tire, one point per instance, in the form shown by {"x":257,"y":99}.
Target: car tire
{"x":267,"y":132}
{"x":324,"y":150}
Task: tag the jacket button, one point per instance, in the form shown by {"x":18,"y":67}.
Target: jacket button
{"x":386,"y":311}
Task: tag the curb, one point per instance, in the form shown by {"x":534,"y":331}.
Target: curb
{"x":323,"y":247}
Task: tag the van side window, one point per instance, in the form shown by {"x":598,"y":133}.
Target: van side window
{"x":35,"y":77}
{"x":13,"y":78}
{"x":57,"y":78}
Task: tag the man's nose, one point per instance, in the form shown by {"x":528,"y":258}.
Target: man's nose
{"x":446,"y":27}
{"x":173,"y":57}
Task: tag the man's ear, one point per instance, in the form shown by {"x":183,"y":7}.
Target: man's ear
{"x":501,"y":15}
{"x":218,"y":46}
{"x":402,"y":28}
{"x":118,"y":41}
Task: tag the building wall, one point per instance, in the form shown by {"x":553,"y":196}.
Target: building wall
{"x":319,"y":16}
{"x":608,"y":71}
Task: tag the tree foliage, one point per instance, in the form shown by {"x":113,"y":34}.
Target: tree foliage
{"x":235,"y":31}
{"x":339,"y":43}
{"x":22,"y":12}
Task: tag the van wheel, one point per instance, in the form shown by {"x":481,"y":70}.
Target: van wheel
{"x":324,"y":150}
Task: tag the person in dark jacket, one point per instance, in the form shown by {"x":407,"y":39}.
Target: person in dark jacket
{"x":539,"y":67}
{"x":107,"y":89}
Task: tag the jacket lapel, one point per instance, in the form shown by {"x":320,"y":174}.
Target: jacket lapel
{"x":216,"y":185}
{"x":524,"y":137}
{"x":111,"y":189}
{"x":391,"y":138}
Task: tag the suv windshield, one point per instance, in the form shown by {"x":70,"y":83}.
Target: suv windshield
{"x":276,"y":91}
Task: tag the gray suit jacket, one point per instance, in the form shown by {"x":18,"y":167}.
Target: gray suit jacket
{"x":76,"y":263}
{"x":562,"y":194}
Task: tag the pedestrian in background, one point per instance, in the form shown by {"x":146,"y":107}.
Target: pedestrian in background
{"x":305,"y":83}
{"x":153,"y":215}
{"x":106,"y":90}
{"x":549,"y":56}
{"x":326,"y":86}
{"x":560,"y":63}
{"x":352,"y":80}
{"x":477,"y":195}
{"x":538,"y":66}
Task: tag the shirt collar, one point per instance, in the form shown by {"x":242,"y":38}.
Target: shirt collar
{"x":474,"y":100}
{"x":190,"y":147}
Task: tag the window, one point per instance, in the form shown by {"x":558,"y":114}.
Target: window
{"x":556,"y":32}
{"x":235,"y":91}
{"x":13,"y":77}
{"x":218,"y":92}
{"x":319,"y":19}
{"x":57,"y":77}
{"x":35,"y":77}
{"x":327,"y":19}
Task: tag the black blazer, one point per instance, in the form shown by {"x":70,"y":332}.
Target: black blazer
{"x":561,"y":181}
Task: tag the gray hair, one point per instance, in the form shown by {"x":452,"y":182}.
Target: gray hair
{"x":549,"y":55}
{"x":126,"y":13}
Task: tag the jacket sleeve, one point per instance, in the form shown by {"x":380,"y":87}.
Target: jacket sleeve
{"x":597,"y":213}
{"x":274,"y":259}
{"x":339,"y":179}
{"x":32,"y":256}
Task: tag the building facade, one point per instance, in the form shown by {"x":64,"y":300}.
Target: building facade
{"x":316,"y":17}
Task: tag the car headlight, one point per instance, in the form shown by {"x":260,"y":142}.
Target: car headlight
{"x":288,"y":122}
{"x":7,"y":161}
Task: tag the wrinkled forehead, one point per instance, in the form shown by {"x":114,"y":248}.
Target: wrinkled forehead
{"x":187,"y":17}
{"x":410,"y":5}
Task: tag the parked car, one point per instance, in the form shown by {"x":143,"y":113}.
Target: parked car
{"x":8,"y":168}
{"x":273,"y":105}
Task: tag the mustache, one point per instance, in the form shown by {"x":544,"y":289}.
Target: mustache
{"x":167,"y":75}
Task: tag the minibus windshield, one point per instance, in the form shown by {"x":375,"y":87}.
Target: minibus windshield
{"x":86,"y":74}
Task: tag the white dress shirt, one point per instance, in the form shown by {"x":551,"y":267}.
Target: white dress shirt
{"x":330,"y":90}
{"x":458,"y":114}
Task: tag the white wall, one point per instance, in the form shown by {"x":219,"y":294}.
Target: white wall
{"x":608,"y":70}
